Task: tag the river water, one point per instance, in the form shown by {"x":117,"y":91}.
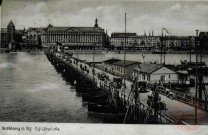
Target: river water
{"x":174,"y":59}
{"x":31,"y":90}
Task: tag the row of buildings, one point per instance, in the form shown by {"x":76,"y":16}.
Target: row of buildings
{"x":89,"y":37}
{"x":150,"y":72}
{"x":143,"y":41}
{"x":10,"y":36}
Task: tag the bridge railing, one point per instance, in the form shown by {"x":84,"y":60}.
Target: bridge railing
{"x":182,"y":97}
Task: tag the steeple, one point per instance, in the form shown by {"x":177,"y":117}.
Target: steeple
{"x":96,"y":25}
{"x":11,"y":24}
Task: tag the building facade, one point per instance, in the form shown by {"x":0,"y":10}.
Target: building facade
{"x":178,"y":42}
{"x":118,"y":39}
{"x":3,"y":38}
{"x":108,"y":63}
{"x":130,"y":66}
{"x":155,"y":73}
{"x":203,"y":38}
{"x":7,"y":35}
{"x":11,"y":37}
{"x":33,"y":37}
{"x":74,"y":37}
{"x":133,"y":40}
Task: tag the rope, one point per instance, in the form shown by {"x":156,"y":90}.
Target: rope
{"x":128,"y":106}
{"x":153,"y":95}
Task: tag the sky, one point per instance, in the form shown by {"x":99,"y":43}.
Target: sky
{"x":180,"y":18}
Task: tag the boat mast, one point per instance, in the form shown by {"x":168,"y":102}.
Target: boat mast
{"x":196,"y":94}
{"x":201,"y":53}
{"x":190,"y":51}
{"x":93,"y":59}
{"x":76,"y":50}
{"x":124,"y":59}
{"x":164,"y":49}
{"x":161,"y":45}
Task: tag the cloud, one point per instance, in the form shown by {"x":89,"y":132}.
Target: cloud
{"x":181,"y":18}
{"x":176,"y":7}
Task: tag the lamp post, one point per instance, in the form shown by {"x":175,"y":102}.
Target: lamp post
{"x":196,"y":94}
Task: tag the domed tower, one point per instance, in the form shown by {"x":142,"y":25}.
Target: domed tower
{"x":96,"y":24}
{"x":10,"y":32}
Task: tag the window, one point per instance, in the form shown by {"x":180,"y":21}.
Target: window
{"x":148,"y":78}
{"x":162,"y":78}
{"x":169,"y":76}
{"x":143,"y":77}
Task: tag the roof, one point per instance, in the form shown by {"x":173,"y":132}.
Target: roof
{"x":150,"y":67}
{"x":182,"y":72}
{"x":57,"y":28}
{"x":34,"y":29}
{"x":11,"y":24}
{"x":3,"y":30}
{"x":75,"y":29}
{"x":19,"y":31}
{"x":127,"y":63}
{"x":111,"y":61}
{"x":122,"y":35}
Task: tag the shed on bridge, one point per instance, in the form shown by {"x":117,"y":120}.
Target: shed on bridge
{"x":156,"y":72}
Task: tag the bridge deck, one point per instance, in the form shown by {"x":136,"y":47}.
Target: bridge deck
{"x":171,"y":104}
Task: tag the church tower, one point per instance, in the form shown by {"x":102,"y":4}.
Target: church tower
{"x":96,"y":24}
{"x":10,"y":32}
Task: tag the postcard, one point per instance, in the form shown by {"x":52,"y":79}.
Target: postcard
{"x":103,"y":67}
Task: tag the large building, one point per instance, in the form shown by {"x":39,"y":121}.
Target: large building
{"x":178,"y":42}
{"x":74,"y":37}
{"x":133,"y":40}
{"x":10,"y":36}
{"x":150,"y":40}
{"x":33,"y":37}
{"x":3,"y":38}
{"x":118,"y":39}
{"x":7,"y":35}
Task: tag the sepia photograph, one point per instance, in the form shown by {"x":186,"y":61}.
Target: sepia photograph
{"x":110,"y":63}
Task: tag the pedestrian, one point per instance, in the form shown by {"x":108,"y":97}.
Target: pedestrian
{"x":170,"y":95}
